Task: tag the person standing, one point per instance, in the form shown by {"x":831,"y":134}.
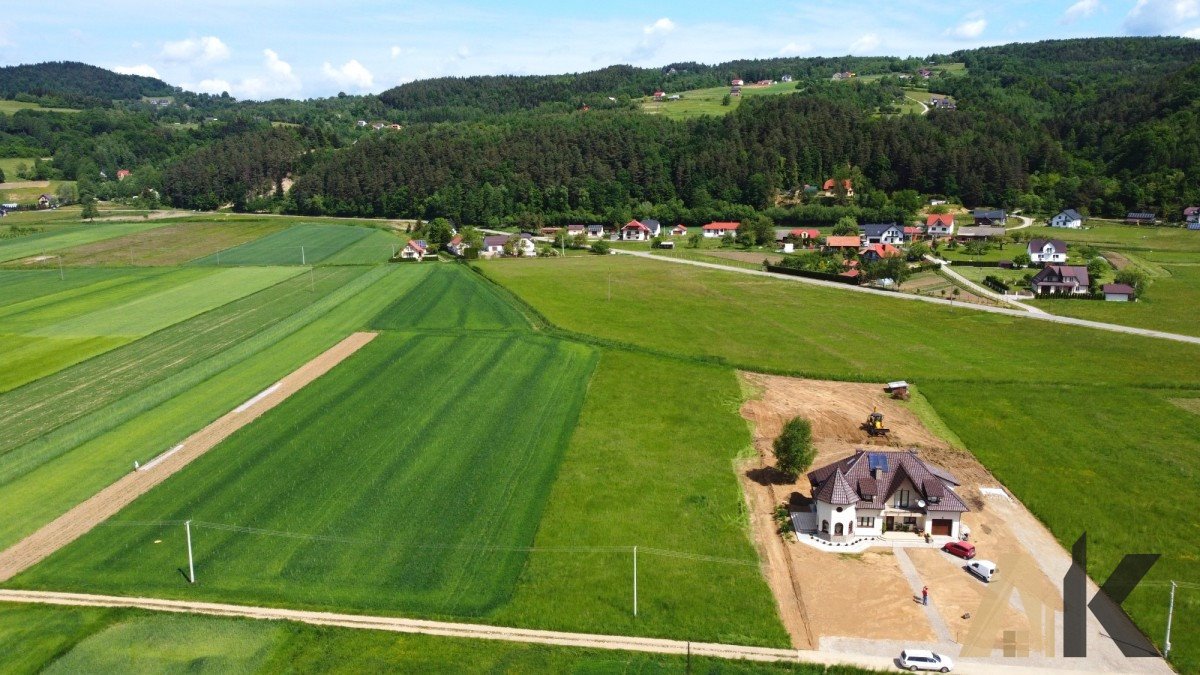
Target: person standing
{"x":925,"y":595}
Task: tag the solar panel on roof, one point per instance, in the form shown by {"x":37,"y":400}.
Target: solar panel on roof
{"x":877,"y":460}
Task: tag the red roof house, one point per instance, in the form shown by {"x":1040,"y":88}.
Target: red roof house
{"x":848,"y":241}
{"x":805,"y":233}
{"x":122,"y":174}
{"x":720,"y":229}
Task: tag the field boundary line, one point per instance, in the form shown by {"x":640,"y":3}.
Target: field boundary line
{"x":107,"y":502}
{"x":1053,"y":318}
{"x":483,"y":631}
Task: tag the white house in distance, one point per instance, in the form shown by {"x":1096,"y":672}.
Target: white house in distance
{"x":1069,"y":218}
{"x":882,"y":233}
{"x":939,"y":224}
{"x":493,"y":246}
{"x":636,"y":230}
{"x":594,"y":230}
{"x":1047,"y":251}
{"x":679,"y":230}
{"x":870,"y":493}
{"x":415,"y":249}
{"x":716,"y":230}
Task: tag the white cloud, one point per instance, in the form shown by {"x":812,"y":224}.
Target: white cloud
{"x":209,"y":86}
{"x":1157,"y":17}
{"x":660,"y":27}
{"x":396,"y":51}
{"x":208,"y":49}
{"x":351,"y":74}
{"x":865,"y":43}
{"x":969,"y":29}
{"x":1193,"y":33}
{"x":143,"y":69}
{"x":463,"y":52}
{"x":1080,"y":10}
{"x":795,"y":49}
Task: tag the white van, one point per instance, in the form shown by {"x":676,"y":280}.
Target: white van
{"x":984,"y":569}
{"x":923,"y":659}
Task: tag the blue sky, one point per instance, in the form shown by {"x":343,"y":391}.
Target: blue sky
{"x":303,"y":48}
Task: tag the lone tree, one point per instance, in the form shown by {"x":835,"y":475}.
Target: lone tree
{"x":89,"y":211}
{"x":793,"y":448}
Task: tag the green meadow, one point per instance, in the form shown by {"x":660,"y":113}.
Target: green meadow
{"x":300,"y":244}
{"x":66,"y":236}
{"x":451,"y":298}
{"x":44,"y":639}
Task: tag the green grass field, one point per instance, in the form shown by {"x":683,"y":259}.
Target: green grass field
{"x":44,"y":334}
{"x":9,"y":165}
{"x":449,"y":298}
{"x":46,"y":639}
{"x":72,"y":433}
{"x":9,"y":107}
{"x":446,"y":492}
{"x":175,"y":242}
{"x":697,"y":102}
{"x":797,"y":328}
{"x":301,"y":244}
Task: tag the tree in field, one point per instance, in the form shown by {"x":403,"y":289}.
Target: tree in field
{"x":600,"y":247}
{"x":580,"y":240}
{"x":694,"y":240}
{"x":89,"y":211}
{"x":1096,"y":268}
{"x":726,"y":99}
{"x":760,"y":229}
{"x":439,"y":232}
{"x":846,"y":225}
{"x":1,"y":175}
{"x":794,"y":450}
{"x":917,"y":251}
{"x":1135,"y":278}
{"x":1022,"y":260}
{"x":727,"y":239}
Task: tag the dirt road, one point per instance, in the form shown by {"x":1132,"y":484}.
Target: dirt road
{"x":484,"y":632}
{"x":79,"y":520}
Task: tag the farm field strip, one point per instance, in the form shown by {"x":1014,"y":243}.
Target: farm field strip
{"x":497,"y":432}
{"x":376,"y":247}
{"x":449,"y":298}
{"x":170,"y":244}
{"x":299,"y":244}
{"x":147,"y":371}
{"x":81,"y":519}
{"x":51,"y":241}
{"x":81,"y":458}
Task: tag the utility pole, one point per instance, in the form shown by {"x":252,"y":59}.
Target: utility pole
{"x":61,"y":277}
{"x":1170,"y":614}
{"x":187,"y":526}
{"x":634,"y":581}
{"x":302,"y":259}
{"x":312,"y":284}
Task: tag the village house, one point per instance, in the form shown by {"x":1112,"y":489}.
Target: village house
{"x":1047,"y":251}
{"x":659,"y":95}
{"x":939,"y":224}
{"x":415,"y":249}
{"x":925,"y":73}
{"x":882,"y":233}
{"x":122,"y":174}
{"x":643,"y":230}
{"x":942,"y":103}
{"x":846,"y":185}
{"x":594,"y":230}
{"x":1069,"y":218}
{"x":1118,"y":292}
{"x":1191,"y":215}
{"x":1061,"y":280}
{"x":871,"y":493}
{"x":990,"y":217}
{"x":679,"y":230}
{"x":493,"y":245}
{"x":735,"y":91}
{"x":574,"y":230}
{"x":1140,"y":218}
{"x":785,"y":78}
{"x":457,"y":246}
{"x":736,"y":82}
{"x":877,"y":252}
{"x":979,"y":233}
{"x":45,"y":201}
{"x":913,"y":233}
{"x":716,"y":230}
{"x":805,"y":235}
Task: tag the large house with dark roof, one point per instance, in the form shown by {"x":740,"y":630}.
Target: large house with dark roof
{"x":882,"y":233}
{"x":1047,"y":251}
{"x":873,"y":492}
{"x":1061,"y":280}
{"x":990,"y":217}
{"x":1069,"y":218}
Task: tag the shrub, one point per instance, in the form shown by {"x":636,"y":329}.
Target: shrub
{"x":600,"y":247}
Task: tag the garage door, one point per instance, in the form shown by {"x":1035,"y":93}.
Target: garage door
{"x":942,"y":527}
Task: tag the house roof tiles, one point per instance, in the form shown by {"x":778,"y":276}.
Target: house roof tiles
{"x":873,"y":489}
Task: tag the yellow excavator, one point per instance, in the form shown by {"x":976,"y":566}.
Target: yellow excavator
{"x":874,"y":424}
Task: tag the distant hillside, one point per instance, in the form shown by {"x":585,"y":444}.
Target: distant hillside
{"x":77,"y":83}
{"x":456,"y":97}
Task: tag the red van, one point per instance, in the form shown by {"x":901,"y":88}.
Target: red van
{"x":962,"y":549}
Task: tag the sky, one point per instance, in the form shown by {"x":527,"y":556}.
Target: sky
{"x":261,"y":49}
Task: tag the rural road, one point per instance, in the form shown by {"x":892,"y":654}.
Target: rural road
{"x":485,"y":632}
{"x":924,"y":108}
{"x":982,"y":290}
{"x":1025,"y":222}
{"x":1070,"y":321}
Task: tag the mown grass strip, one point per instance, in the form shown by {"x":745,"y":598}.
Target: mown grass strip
{"x":298,"y":245}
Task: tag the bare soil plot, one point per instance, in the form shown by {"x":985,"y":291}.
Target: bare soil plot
{"x":824,"y":594}
{"x":933,"y":284}
{"x":79,"y":520}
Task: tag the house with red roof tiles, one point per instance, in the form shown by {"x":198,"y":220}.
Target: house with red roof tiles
{"x":716,"y":230}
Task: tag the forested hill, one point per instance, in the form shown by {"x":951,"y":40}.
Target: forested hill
{"x":455,"y":96}
{"x":77,"y":83}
